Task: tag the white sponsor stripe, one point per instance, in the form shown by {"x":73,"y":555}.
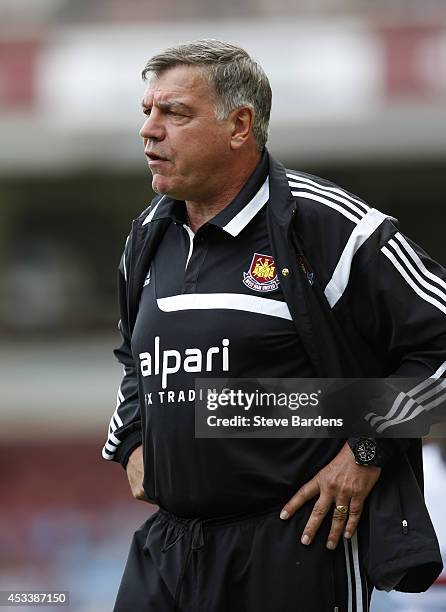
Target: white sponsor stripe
{"x":118,"y":418}
{"x":152,"y":212}
{"x":362,"y":232}
{"x":248,"y":212}
{"x":375,"y":419}
{"x":113,"y":442}
{"x":411,"y":282}
{"x":421,"y":279}
{"x":349,"y":577}
{"x":412,"y":416}
{"x":407,"y":406}
{"x":425,"y":383}
{"x":437,"y":401}
{"x":114,"y":439}
{"x":357,"y":572}
{"x":115,"y":415}
{"x":227,"y":301}
{"x":341,"y":192}
{"x":191,"y":243}
{"x":414,"y":402}
{"x":115,"y":421}
{"x":397,"y":403}
{"x":333,"y":196}
{"x":106,"y":455}
{"x":415,"y":413}
{"x":330,"y":203}
{"x":440,"y":371}
{"x":418,"y":261}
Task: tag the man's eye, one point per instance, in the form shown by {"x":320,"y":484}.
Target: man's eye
{"x":147,"y":111}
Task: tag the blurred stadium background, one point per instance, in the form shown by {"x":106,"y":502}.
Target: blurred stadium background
{"x":359,"y":97}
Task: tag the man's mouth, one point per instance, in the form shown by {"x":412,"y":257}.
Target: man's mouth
{"x":154,"y":157}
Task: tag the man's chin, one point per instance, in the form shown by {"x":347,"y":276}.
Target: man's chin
{"x":157,"y":190}
{"x":161,"y":185}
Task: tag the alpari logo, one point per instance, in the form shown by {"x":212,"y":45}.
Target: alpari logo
{"x":170,"y":361}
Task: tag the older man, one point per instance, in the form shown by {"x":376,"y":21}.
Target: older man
{"x":240,"y":268}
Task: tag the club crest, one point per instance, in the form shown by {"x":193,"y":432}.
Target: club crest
{"x":262,"y":275}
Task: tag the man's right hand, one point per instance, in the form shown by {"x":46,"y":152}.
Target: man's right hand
{"x":135,"y":474}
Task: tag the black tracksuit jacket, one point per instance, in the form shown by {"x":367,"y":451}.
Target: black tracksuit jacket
{"x":366,"y":302}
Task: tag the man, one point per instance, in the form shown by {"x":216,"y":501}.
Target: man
{"x":257,"y":525}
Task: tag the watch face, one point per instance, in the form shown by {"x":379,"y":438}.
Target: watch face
{"x":366,"y":451}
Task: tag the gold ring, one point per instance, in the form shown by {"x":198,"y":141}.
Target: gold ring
{"x":342,"y":509}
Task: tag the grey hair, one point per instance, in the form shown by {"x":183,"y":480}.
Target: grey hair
{"x":236,"y":78}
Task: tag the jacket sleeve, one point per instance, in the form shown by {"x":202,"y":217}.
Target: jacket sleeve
{"x":397,"y":542}
{"x":124,"y":432}
{"x":397,"y":297}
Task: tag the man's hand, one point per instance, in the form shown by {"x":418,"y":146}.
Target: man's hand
{"x":135,"y":474}
{"x":340,"y":483}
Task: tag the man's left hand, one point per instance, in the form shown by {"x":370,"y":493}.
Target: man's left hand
{"x":340,"y":483}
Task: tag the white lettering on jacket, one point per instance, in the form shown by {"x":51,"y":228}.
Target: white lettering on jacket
{"x":170,"y":361}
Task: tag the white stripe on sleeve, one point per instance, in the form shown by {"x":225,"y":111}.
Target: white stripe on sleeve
{"x":411,"y":281}
{"x":330,"y":203}
{"x":337,"y":190}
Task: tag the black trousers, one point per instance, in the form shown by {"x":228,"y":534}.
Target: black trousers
{"x":244,"y":563}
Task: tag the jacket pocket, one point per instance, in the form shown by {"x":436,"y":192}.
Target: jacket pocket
{"x":402,"y":550}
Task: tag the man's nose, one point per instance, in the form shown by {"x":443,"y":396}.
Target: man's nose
{"x":152,"y":128}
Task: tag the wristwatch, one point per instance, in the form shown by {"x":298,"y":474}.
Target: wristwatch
{"x":367,"y":452}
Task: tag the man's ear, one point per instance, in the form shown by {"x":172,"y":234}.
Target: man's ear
{"x":241,"y":121}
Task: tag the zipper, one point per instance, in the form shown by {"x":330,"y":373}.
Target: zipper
{"x":306,"y":330}
{"x":303,"y":264}
{"x":301,"y":260}
{"x":404,"y":522}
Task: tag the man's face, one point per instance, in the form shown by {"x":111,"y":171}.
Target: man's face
{"x":185,"y":144}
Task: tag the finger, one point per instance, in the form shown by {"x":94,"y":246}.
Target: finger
{"x":354,"y":514}
{"x":319,"y":512}
{"x":338,"y":523}
{"x":307,"y":491}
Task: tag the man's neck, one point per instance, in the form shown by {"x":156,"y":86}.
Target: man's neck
{"x":199,"y":213}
